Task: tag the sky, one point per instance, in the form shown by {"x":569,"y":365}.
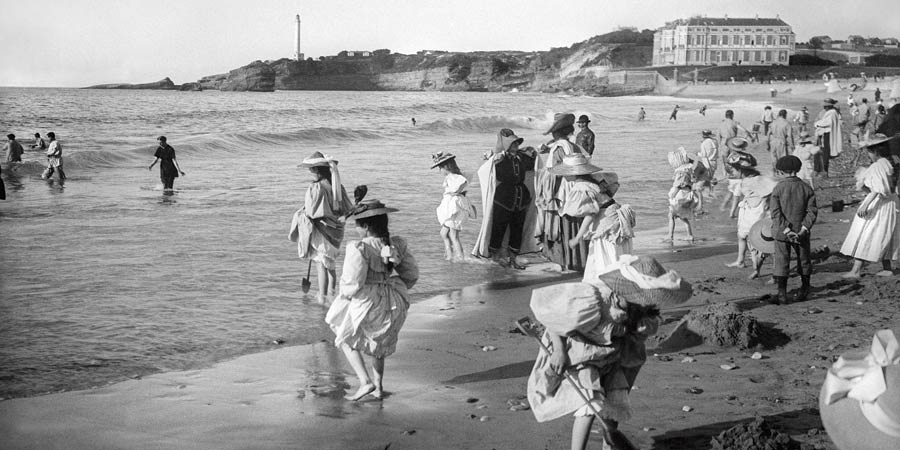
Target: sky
{"x":76,"y":43}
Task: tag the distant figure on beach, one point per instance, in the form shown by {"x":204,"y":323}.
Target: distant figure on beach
{"x":54,"y":158}
{"x":802,"y":119}
{"x":781,"y":137}
{"x":703,"y":110}
{"x":455,"y":208}
{"x":806,"y":152}
{"x":877,"y":95}
{"x":39,"y":143}
{"x":674,"y":115}
{"x":863,"y":118}
{"x":682,"y":199}
{"x":755,"y":191}
{"x":794,"y":211}
{"x":321,"y":227}
{"x":874,"y":234}
{"x":13,"y":149}
{"x":828,"y":130}
{"x":585,"y":137}
{"x":767,"y":118}
{"x":414,"y":121}
{"x":168,"y":165}
{"x":554,"y":229}
{"x":641,"y":114}
{"x":593,"y":345}
{"x":371,"y":305}
{"x":506,"y":201}
{"x":878,"y":116}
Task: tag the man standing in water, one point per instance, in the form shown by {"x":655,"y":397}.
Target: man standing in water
{"x":674,"y":115}
{"x":641,"y":114}
{"x":54,"y":158}
{"x":585,"y":137}
{"x":13,"y":149}
{"x":168,"y":165}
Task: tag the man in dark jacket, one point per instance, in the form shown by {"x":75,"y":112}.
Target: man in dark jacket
{"x":794,"y":210}
{"x":585,"y":137}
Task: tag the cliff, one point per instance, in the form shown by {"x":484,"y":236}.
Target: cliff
{"x":164,"y":84}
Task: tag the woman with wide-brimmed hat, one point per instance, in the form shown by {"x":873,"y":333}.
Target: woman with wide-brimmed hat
{"x":596,"y":332}
{"x":550,"y":193}
{"x":507,"y":178}
{"x":874,"y":234}
{"x":319,"y":228}
{"x":372,"y":301}
{"x":588,"y":196}
{"x":754,"y":205}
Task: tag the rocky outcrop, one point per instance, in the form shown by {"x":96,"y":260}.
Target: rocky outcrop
{"x":164,"y":84}
{"x":256,"y":76}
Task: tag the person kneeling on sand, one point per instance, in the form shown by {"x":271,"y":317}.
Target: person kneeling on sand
{"x":371,"y":305}
{"x":794,"y":211}
{"x":594,"y":342}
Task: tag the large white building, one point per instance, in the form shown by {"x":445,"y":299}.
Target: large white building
{"x":702,"y":41}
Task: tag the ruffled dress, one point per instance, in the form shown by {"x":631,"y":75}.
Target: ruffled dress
{"x":371,"y":305}
{"x":455,"y":208}
{"x":876,"y":236}
{"x":682,"y":200}
{"x":584,"y":198}
{"x":604,"y":355}
{"x":755,"y":203}
{"x":610,"y":236}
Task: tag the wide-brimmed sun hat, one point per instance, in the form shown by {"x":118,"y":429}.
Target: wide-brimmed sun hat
{"x":805,"y":137}
{"x":679,"y":158}
{"x":577,"y":164}
{"x":644,"y":281}
{"x":368,"y":208}
{"x":877,"y":139}
{"x":736,"y":143}
{"x":707,"y":133}
{"x":742,"y":160}
{"x":317,"y":159}
{"x":440,"y":157}
{"x":560,"y":121}
{"x":829,"y":101}
{"x":505,"y":139}
{"x":860,"y":398}
{"x":760,"y":237}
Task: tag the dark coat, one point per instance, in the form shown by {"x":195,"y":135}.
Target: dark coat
{"x":793,"y":206}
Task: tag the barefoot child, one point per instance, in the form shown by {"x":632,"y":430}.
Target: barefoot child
{"x":755,"y":191}
{"x":794,"y":211}
{"x":596,"y":334}
{"x":370,"y":309}
{"x":733,"y":144}
{"x":682,"y":199}
{"x":455,"y":208}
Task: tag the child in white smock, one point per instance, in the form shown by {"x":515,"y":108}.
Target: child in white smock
{"x":455,"y":208}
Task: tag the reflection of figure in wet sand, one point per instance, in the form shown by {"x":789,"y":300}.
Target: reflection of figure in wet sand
{"x":371,"y":306}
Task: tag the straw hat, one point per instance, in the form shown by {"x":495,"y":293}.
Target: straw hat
{"x":505,"y":139}
{"x":707,"y":133}
{"x":760,"y":236}
{"x":577,"y":164}
{"x":805,"y":137}
{"x":742,"y":160}
{"x":737,"y":143}
{"x":560,"y":121}
{"x":830,"y":101}
{"x":368,"y":208}
{"x":860,"y":398}
{"x":877,"y":139}
{"x":317,"y":159}
{"x":644,"y":281}
{"x":440,"y":158}
{"x":678,"y":158}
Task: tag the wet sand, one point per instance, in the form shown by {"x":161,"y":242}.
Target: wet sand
{"x":460,"y":366}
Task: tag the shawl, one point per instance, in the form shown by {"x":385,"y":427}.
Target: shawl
{"x":831,"y":123}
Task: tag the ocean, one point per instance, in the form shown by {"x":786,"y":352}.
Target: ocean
{"x":106,"y":277}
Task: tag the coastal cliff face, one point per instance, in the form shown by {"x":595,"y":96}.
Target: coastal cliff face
{"x":164,"y":84}
{"x":256,"y":76}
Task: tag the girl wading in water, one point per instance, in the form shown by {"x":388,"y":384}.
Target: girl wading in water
{"x":371,"y":306}
{"x":455,"y":208}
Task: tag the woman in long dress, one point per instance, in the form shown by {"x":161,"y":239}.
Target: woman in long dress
{"x":324,"y":204}
{"x":371,"y":306}
{"x":874,"y":234}
{"x":555,"y":230}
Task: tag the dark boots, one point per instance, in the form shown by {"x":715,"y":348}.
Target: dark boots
{"x":803,"y":293}
{"x":781,"y":297}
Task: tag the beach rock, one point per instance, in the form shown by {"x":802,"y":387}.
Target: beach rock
{"x":756,"y":435}
{"x":256,"y":76}
{"x":164,"y":84}
{"x":488,"y":348}
{"x":686,"y":408}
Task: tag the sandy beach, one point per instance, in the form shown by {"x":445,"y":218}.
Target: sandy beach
{"x":460,"y":370}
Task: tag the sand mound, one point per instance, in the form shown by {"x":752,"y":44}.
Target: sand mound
{"x":724,"y":325}
{"x":757,"y":435}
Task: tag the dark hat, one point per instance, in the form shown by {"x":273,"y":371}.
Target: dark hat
{"x":742,"y":160}
{"x":707,"y":133}
{"x":11,"y":137}
{"x":789,"y":163}
{"x":161,"y":139}
{"x":737,"y":143}
{"x":830,"y":101}
{"x":760,"y":237}
{"x":803,"y":108}
{"x":440,"y":158}
{"x":368,"y":208}
{"x":505,"y":139}
{"x":317,"y":159}
{"x":583,"y":119}
{"x":643,"y":280}
{"x":560,"y":121}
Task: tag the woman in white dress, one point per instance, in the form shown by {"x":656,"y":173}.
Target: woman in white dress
{"x":874,"y":235}
{"x":371,"y":306}
{"x":455,"y":208}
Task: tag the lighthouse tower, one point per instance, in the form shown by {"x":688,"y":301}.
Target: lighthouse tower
{"x":297,"y":54}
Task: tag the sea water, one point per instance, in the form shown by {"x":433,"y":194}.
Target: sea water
{"x":105,"y":276}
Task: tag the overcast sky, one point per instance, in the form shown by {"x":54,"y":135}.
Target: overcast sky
{"x":85,"y":42}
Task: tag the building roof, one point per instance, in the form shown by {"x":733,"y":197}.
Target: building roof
{"x":735,"y":22}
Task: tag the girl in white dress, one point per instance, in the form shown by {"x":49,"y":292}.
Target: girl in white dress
{"x":806,"y":152}
{"x":753,"y":207}
{"x":371,"y":306}
{"x":455,"y":208}
{"x":874,"y":234}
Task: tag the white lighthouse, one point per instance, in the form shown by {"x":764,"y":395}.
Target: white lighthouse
{"x":297,"y":54}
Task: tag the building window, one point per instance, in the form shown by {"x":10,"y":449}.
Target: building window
{"x":735,"y":55}
{"x":769,"y":56}
{"x":748,"y":40}
{"x":697,"y":56}
{"x":759,"y":39}
{"x":713,"y":40}
{"x":746,"y":55}
{"x":782,"y":56}
{"x":757,"y":55}
{"x":784,"y":40}
{"x":770,"y":39}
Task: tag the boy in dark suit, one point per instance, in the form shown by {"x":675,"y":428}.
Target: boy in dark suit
{"x":794,"y":210}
